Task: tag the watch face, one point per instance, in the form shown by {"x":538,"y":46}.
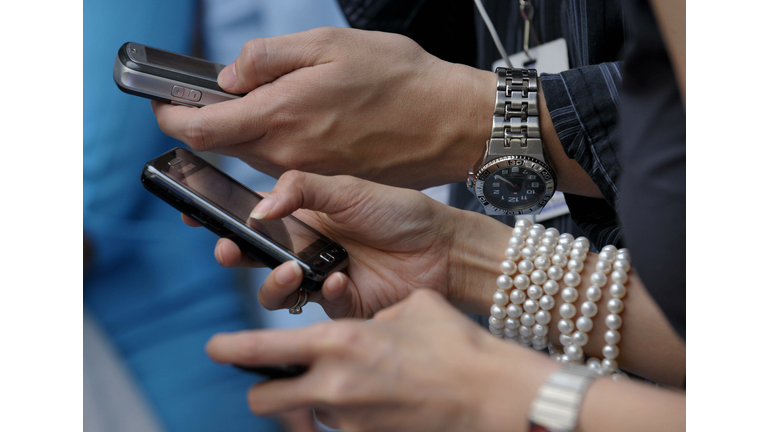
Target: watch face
{"x":515,"y":185}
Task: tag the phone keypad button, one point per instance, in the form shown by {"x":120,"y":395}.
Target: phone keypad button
{"x":177,"y":91}
{"x":194,"y":95}
{"x":327,"y":257}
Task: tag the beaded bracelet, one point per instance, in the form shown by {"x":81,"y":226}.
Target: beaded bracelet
{"x":527,"y":289}
{"x":573,"y":339}
{"x":517,"y":313}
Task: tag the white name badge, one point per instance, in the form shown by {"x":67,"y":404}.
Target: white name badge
{"x":551,"y":57}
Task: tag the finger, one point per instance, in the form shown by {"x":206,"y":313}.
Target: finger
{"x":270,"y":347}
{"x":216,"y":125}
{"x":264,"y":60}
{"x":339,"y":296}
{"x":279,"y":288}
{"x":189,"y":221}
{"x":298,"y":190}
{"x":229,"y":255}
{"x":279,"y":396}
{"x":305,"y":392}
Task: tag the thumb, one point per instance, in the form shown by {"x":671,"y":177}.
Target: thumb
{"x":264,"y":60}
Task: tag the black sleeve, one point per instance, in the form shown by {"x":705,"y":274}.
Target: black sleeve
{"x":444,"y":28}
{"x":584,"y":106}
{"x":653,"y":185}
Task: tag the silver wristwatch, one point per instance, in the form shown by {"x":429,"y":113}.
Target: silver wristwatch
{"x":556,"y":407}
{"x":513,"y":177}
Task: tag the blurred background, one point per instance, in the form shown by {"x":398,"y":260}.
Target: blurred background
{"x":153,"y":293}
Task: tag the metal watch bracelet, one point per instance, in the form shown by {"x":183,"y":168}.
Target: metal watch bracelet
{"x":557,"y":405}
{"x":516,"y":114}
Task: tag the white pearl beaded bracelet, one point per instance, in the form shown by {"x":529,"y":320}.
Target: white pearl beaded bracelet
{"x":537,"y":259}
{"x":521,"y":305}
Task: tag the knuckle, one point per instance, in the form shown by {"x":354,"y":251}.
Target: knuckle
{"x":339,"y":388}
{"x":340,"y":339}
{"x":292,"y":177}
{"x":320,"y":41}
{"x":254,"y":55}
{"x":290,"y":184}
{"x":200,"y":134}
{"x":347,"y":336}
{"x":253,"y":50}
{"x":325,"y":34}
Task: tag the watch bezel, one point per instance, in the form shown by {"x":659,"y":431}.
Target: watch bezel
{"x":515,"y":160}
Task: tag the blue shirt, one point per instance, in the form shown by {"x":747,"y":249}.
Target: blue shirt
{"x":153,"y":284}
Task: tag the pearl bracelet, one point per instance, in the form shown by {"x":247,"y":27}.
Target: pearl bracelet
{"x":573,"y":340}
{"x":522,"y":305}
{"x":536,"y":260}
{"x":518,"y":313}
{"x":617,"y":263}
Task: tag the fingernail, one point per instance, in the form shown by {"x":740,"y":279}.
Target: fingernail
{"x":288,"y":273}
{"x":228,"y":76}
{"x":263,"y":207}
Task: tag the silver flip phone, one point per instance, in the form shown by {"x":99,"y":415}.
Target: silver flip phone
{"x":168,"y":77}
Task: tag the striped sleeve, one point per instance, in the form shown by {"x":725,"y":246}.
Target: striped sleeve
{"x":583,"y":104}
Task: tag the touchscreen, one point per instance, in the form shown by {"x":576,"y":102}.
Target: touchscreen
{"x":238,"y":201}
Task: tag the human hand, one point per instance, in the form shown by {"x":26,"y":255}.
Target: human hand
{"x":398,"y":240}
{"x":343,"y":101}
{"x":417,"y":366}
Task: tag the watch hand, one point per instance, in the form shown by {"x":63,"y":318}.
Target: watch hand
{"x":506,"y":181}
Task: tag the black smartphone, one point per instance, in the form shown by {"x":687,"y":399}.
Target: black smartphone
{"x":223,"y":205}
{"x":168,"y":77}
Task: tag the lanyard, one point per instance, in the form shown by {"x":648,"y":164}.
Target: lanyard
{"x":526,"y":10}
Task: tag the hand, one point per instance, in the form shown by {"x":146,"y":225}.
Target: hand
{"x":398,"y":240}
{"x":342,"y":101}
{"x":418,"y":366}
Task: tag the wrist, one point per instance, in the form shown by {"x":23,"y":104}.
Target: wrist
{"x":470,"y":118}
{"x":522,"y":372}
{"x":475,"y":253}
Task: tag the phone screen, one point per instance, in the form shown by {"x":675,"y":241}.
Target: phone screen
{"x":238,"y":201}
{"x":183,"y":64}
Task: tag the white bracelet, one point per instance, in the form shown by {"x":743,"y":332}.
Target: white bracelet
{"x":572,"y":335}
{"x":557,"y":405}
{"x":537,"y":259}
{"x":612,"y":267}
{"x":621,"y":265}
{"x":522,"y":305}
{"x":511,"y":316}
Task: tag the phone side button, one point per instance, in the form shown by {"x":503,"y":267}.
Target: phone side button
{"x":177,"y":91}
{"x":201,"y":219}
{"x":327,"y":257}
{"x":215,"y":226}
{"x":194,"y":95}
